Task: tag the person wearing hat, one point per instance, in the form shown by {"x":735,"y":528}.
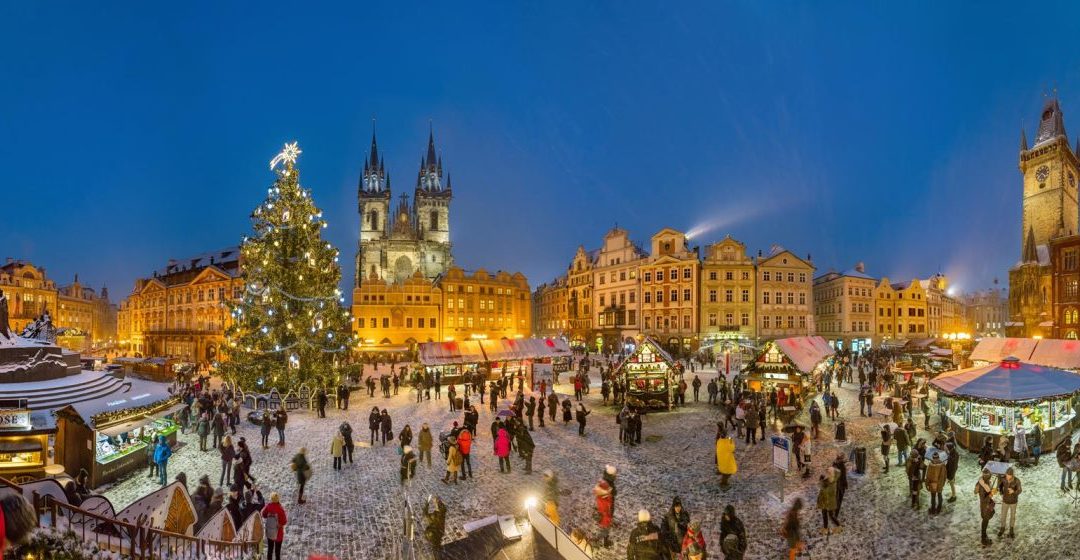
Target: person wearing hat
{"x":645,"y":543}
{"x":604,"y":504}
{"x":274,"y":520}
{"x":692,"y":539}
{"x":935,"y":482}
{"x":609,"y":476}
{"x":1010,"y":490}
{"x":674,"y":527}
{"x":984,"y":489}
{"x":408,"y":463}
{"x":732,"y":535}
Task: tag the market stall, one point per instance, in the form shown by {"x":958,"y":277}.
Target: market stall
{"x":452,"y":360}
{"x":549,"y":356}
{"x":24,"y":436}
{"x":990,"y":401}
{"x":109,"y":437}
{"x":650,"y":376}
{"x":791,"y":363}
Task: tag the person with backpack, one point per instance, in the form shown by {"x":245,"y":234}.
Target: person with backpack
{"x":274,"y":520}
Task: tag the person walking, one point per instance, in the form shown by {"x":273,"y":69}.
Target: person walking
{"x":453,"y":461}
{"x":900,"y":436}
{"x":162,"y":452}
{"x":984,"y":489}
{"x":337,"y":448}
{"x":826,"y":501}
{"x":553,"y":405}
{"x":791,"y":530}
{"x":266,"y":423}
{"x":281,"y":418}
{"x":733,"y":541}
{"x":1010,"y":488}
{"x":274,"y":520}
{"x":228,"y":453}
{"x":696,"y":384}
{"x":374,"y":423}
{"x":530,"y":410}
{"x":915,"y":475}
{"x":674,"y":527}
{"x":567,"y":416}
{"x":541,"y":405}
{"x":203,"y":429}
{"x":218,"y":428}
{"x":886,"y":444}
{"x":551,"y":496}
{"x":935,"y":482}
{"x":464,"y":441}
{"x":425,"y":441}
{"x":387,"y":426}
{"x":526,"y":446}
{"x":645,"y":543}
{"x":405,"y":436}
{"x":502,"y":449}
{"x":725,"y":459}
{"x":840,"y":464}
{"x":408,"y":464}
{"x":346,"y":434}
{"x":751,"y":424}
{"x":604,"y":505}
{"x":580,"y":415}
{"x":302,"y":468}
{"x":815,"y":420}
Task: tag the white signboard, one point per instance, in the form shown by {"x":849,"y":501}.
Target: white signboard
{"x":781,"y":452}
{"x":14,"y":419}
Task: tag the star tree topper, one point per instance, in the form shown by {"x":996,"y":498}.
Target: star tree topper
{"x":288,"y":155}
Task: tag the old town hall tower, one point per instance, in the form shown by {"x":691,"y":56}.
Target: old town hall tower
{"x":1051,"y":170}
{"x":398,"y":241}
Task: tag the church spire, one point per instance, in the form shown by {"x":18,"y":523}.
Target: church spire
{"x":1023,"y":139}
{"x":374,"y":177}
{"x":1030,"y":254}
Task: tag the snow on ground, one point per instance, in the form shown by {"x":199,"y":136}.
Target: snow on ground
{"x":357,"y":512}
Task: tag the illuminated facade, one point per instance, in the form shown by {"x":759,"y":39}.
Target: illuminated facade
{"x":615,"y":290}
{"x":987,"y":312}
{"x":844,"y":308}
{"x":549,"y":308}
{"x":901,"y":311}
{"x":728,"y":285}
{"x":29,"y":292}
{"x":669,"y":292}
{"x":579,"y":280}
{"x":91,"y":315}
{"x":181,"y":310}
{"x":1051,"y":170}
{"x":1065,"y":256}
{"x":785,"y":295}
{"x":407,"y":289}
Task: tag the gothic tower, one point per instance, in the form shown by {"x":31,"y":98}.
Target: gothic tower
{"x":432,"y":198}
{"x":1051,"y":170}
{"x":373,"y":194}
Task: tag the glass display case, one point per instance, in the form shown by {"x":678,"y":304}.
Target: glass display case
{"x":1002,"y":419}
{"x":131,"y":437}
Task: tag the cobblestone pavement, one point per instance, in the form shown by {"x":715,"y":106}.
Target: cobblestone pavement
{"x":357,"y":512}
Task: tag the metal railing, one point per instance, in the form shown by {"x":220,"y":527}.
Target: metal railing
{"x":137,"y":540}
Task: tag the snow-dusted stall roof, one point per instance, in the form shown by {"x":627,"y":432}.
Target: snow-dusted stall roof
{"x":1053,"y":352}
{"x":506,"y":349}
{"x":992,"y":349}
{"x":169,"y":508}
{"x":805,"y":352}
{"x":1010,"y":380}
{"x":546,"y":347}
{"x":453,"y":352}
{"x":138,"y":393}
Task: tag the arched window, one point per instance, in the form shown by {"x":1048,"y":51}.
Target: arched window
{"x":373,"y":220}
{"x":434,"y":220}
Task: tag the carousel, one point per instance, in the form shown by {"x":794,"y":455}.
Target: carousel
{"x":993,"y":401}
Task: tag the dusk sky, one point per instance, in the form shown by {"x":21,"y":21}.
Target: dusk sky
{"x":138,"y":133}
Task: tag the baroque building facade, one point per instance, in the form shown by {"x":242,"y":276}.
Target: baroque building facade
{"x":1050,"y":170}
{"x":728,"y":289}
{"x":1065,"y":259}
{"x":180,"y":311}
{"x":669,"y":292}
{"x":785,"y":294}
{"x":844,"y":308}
{"x":407,"y":288}
{"x":616,"y":289}
{"x":85,"y":319}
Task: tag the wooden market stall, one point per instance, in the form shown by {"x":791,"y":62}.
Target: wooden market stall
{"x":109,"y":436}
{"x":650,"y":376}
{"x":990,"y":401}
{"x":451,"y":360}
{"x":790,"y":363}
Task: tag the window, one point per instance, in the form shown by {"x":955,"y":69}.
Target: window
{"x":686,"y":294}
{"x":674,"y":296}
{"x":432,"y":322}
{"x":729,"y":319}
{"x":631,"y":317}
{"x":1071,"y":259}
{"x":765,"y":297}
{"x":686,"y":322}
{"x":686,"y":273}
{"x":469,"y":322}
{"x":433,"y":220}
{"x":622,"y":298}
{"x":660,"y":275}
{"x":385,"y":322}
{"x":648,"y":297}
{"x":791,"y":298}
{"x":712,"y":319}
{"x":802,"y":277}
{"x":729,"y":296}
{"x":745,"y":296}
{"x":779,"y":321}
{"x":408,"y":322}
{"x":745,"y":320}
{"x":712,"y":296}
{"x":420,"y":322}
{"x":648,"y":277}
{"x":729,"y":275}
{"x":778,"y":298}
{"x":601,"y":301}
{"x":764,"y":321}
{"x":622,"y":275}
{"x":791,"y":277}
{"x":802,"y":298}
{"x":648,"y":323}
{"x":632,"y":296}
{"x":712,"y":275}
{"x":791,"y":321}
{"x":765,"y":277}
{"x":602,"y":278}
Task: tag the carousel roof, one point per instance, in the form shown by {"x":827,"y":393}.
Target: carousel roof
{"x":1010,"y":380}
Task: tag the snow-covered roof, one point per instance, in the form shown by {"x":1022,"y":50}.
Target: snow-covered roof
{"x":805,"y":352}
{"x":993,"y":349}
{"x":1009,"y":380}
{"x":220,"y":259}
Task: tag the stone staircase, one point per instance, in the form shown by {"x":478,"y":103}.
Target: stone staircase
{"x":85,"y":386}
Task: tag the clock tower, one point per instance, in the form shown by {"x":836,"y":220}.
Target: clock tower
{"x":1051,"y":171}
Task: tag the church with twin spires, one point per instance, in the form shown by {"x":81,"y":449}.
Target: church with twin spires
{"x":407,"y":288}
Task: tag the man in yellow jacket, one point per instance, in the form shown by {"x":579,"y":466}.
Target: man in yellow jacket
{"x":725,"y":458}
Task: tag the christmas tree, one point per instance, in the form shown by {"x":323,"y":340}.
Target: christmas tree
{"x":289,"y":326}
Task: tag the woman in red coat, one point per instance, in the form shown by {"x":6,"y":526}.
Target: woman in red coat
{"x":605,"y":504}
{"x":273,"y":541}
{"x":502,"y":449}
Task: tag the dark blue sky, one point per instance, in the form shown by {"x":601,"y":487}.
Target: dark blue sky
{"x":851,"y":132}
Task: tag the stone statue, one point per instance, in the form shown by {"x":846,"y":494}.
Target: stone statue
{"x":4,"y":329}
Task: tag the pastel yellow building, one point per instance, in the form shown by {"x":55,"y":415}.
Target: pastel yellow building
{"x":728,"y":286}
{"x":181,"y":310}
{"x":615,"y":290}
{"x":550,"y":308}
{"x":785,"y":290}
{"x":85,"y":316}
{"x":901,"y":311}
{"x":844,"y":308}
{"x":29,"y":292}
{"x":669,"y":292}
